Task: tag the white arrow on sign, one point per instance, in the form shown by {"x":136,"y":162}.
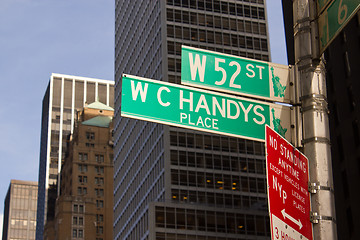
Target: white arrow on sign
{"x":285,"y":215}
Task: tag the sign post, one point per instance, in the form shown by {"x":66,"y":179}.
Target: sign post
{"x":198,"y":109}
{"x":236,"y":75}
{"x":287,"y":178}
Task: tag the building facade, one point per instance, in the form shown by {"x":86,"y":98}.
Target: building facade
{"x":342,"y":59}
{"x":172,"y":183}
{"x":64,"y":96}
{"x":84,"y":209}
{"x":20,"y":210}
{"x":342,"y":77}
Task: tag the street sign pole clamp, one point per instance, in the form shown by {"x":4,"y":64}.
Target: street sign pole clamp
{"x":316,"y":139}
{"x":314,"y":95}
{"x":316,"y":102}
{"x":314,"y":187}
{"x":315,"y":218}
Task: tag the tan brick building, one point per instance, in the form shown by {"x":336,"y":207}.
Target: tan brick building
{"x":84,"y":209}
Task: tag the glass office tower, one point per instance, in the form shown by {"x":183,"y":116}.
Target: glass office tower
{"x":173,"y":183}
{"x":20,"y":210}
{"x":64,"y":96}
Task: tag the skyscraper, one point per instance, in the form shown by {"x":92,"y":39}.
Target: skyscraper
{"x":64,"y":95}
{"x":20,"y":210}
{"x":84,"y":208}
{"x":172,"y":183}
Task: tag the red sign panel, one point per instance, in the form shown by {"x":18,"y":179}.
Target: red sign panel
{"x":289,"y":199}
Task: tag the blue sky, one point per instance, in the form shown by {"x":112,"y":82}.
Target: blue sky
{"x":40,"y":37}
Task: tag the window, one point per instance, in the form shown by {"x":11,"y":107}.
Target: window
{"x":75,"y":220}
{"x":99,"y":192}
{"x":171,"y":48}
{"x":169,"y":15}
{"x":78,"y":208}
{"x":74,"y":233}
{"x":82,"y":168}
{"x":99,"y":180}
{"x":83,"y":156}
{"x":80,"y":233}
{"x":170,"y":31}
{"x":99,"y":170}
{"x":99,"y":158}
{"x":82,"y":179}
{"x":90,"y":135}
{"x":99,"y":217}
{"x":82,"y":190}
{"x":99,"y":230}
{"x":99,"y":203}
{"x":78,"y":220}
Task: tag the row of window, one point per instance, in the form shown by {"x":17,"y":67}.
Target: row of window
{"x":210,"y":221}
{"x":77,"y":233}
{"x":174,"y":47}
{"x":220,"y":38}
{"x":218,"y":162}
{"x":99,"y":158}
{"x":23,"y":214}
{"x":83,"y":168}
{"x":99,"y":192}
{"x":179,"y":236}
{"x":219,"y":199}
{"x":89,"y":144}
{"x":82,"y":179}
{"x":218,"y":181}
{"x":21,"y":223}
{"x":82,"y":190}
{"x":23,"y":203}
{"x":216,"y":143}
{"x":99,"y":203}
{"x":99,"y":218}
{"x":78,"y":208}
{"x":83,"y":156}
{"x":90,"y":135}
{"x":219,"y":22}
{"x":237,"y":9}
{"x":78,"y":220}
{"x":78,"y":97}
{"x":21,"y":191}
{"x":99,"y":230}
{"x":21,"y":234}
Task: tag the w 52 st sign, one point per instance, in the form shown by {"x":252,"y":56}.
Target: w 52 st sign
{"x":235,"y":75}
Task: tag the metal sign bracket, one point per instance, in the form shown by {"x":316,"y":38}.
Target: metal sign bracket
{"x":314,"y":187}
{"x":315,"y":218}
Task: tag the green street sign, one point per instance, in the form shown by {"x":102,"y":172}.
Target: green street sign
{"x":236,"y":75}
{"x":321,"y":4}
{"x":333,"y":19}
{"x":203,"y":110}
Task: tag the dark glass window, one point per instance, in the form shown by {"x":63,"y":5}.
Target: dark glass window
{"x":90,"y":135}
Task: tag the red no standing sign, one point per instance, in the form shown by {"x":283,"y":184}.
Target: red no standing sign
{"x":289,"y":199}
